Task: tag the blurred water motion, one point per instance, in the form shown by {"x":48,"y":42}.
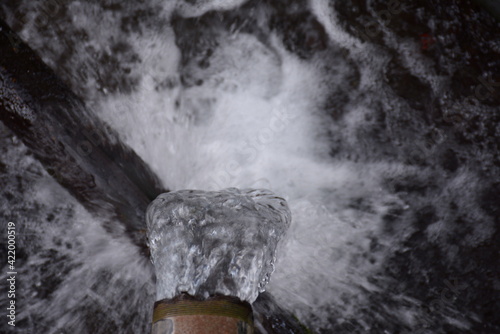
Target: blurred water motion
{"x":377,"y":121}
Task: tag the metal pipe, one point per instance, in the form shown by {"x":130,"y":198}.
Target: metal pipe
{"x":186,"y":314}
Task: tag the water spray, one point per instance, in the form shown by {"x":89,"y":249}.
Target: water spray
{"x":213,"y":253}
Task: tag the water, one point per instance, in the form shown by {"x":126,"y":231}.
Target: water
{"x":223,"y":242}
{"x":378,"y":123}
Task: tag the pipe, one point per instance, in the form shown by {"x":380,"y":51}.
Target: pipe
{"x":186,"y":314}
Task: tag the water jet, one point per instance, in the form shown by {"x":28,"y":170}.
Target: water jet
{"x":213,"y":252}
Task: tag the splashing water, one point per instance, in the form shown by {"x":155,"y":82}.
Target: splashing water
{"x":223,"y":242}
{"x":391,"y":175}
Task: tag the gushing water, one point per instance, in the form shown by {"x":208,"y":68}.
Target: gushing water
{"x":388,"y":172}
{"x":223,"y":242}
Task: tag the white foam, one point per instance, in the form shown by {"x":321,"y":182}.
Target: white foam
{"x":257,"y":120}
{"x":254,"y":123}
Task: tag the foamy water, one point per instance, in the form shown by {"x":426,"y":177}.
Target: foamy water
{"x":256,"y":121}
{"x":239,"y":108}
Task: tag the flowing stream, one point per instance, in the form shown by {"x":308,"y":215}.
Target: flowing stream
{"x":378,"y":122}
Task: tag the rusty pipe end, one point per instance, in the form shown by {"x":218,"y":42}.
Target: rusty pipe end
{"x":218,"y":314}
